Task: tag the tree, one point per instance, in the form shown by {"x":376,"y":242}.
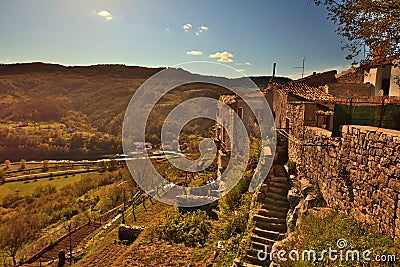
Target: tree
{"x":2,"y":177}
{"x":14,"y":234}
{"x":22,"y":164}
{"x":371,"y":24}
{"x":45,"y":165}
{"x":7,"y":164}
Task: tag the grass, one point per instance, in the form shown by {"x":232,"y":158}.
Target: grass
{"x":103,"y":248}
{"x":27,"y":187}
{"x":320,"y":230}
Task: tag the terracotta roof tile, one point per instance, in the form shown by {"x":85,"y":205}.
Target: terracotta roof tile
{"x":303,"y":90}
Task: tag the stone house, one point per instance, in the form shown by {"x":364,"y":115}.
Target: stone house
{"x":384,"y":78}
{"x":226,"y":117}
{"x":319,"y":79}
{"x":318,"y":104}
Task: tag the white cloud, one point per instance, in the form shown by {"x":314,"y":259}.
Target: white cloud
{"x":194,"y":53}
{"x":105,"y":14}
{"x":201,"y":29}
{"x":242,"y":64}
{"x":168,"y":29}
{"x":240,"y":70}
{"x":223,"y":57}
{"x":187,"y":27}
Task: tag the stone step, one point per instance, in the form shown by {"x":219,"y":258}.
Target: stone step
{"x":277,"y":190}
{"x":268,"y":234}
{"x":273,"y":213}
{"x":262,"y":197}
{"x":255,"y":261}
{"x":280,"y":179}
{"x":262,"y":240}
{"x":250,"y":265}
{"x":272,"y":195}
{"x":279,"y":170}
{"x":261,"y":218}
{"x":260,"y":246}
{"x":277,"y":203}
{"x":252,"y":256}
{"x":271,"y":226}
{"x":279,"y":185}
{"x":275,"y":207}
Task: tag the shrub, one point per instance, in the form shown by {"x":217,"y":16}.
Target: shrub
{"x":234,"y":208}
{"x":11,"y":200}
{"x":233,"y":219}
{"x":190,"y":228}
{"x":320,"y":230}
{"x":44,"y":190}
{"x":2,"y":177}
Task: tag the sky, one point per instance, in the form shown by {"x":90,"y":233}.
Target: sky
{"x":247,"y":35}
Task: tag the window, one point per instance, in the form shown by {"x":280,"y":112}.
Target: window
{"x":240,"y":113}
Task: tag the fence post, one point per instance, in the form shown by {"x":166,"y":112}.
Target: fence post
{"x":133,"y":211}
{"x":381,"y":117}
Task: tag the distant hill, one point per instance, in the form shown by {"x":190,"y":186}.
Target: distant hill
{"x":96,"y":96}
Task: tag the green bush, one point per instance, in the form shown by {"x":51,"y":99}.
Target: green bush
{"x":233,"y":220}
{"x":44,"y":190}
{"x":233,"y":208}
{"x":190,"y":228}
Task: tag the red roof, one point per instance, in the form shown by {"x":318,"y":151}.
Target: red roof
{"x":303,"y":90}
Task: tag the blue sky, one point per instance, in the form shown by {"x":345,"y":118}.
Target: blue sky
{"x":247,"y":35}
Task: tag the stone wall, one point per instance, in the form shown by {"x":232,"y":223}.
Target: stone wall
{"x":351,"y":76}
{"x":319,"y":79}
{"x":350,"y":90}
{"x":295,"y":114}
{"x":358,"y":174}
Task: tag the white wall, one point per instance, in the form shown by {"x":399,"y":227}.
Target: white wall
{"x":394,"y":82}
{"x":371,"y":77}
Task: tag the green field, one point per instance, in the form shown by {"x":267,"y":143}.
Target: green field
{"x":27,"y":187}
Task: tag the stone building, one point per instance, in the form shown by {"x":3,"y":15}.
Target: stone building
{"x":227,"y":121}
{"x":318,"y":104}
{"x":384,"y":78}
{"x":319,"y":79}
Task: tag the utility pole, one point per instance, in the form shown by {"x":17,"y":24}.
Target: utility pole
{"x":274,"y":70}
{"x":302,"y":67}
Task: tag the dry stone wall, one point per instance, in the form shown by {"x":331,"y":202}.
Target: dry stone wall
{"x":358,"y":173}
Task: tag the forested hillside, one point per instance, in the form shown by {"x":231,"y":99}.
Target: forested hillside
{"x":92,"y":98}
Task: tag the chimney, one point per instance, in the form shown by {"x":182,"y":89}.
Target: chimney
{"x":274,"y":70}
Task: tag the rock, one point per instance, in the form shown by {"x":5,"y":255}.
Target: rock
{"x":310,"y":202}
{"x":293,"y":198}
{"x":61,"y":258}
{"x":305,"y":187}
{"x":291,"y":220}
{"x":129,"y":233}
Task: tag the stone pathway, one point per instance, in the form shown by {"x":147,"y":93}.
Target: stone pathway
{"x":270,"y":220}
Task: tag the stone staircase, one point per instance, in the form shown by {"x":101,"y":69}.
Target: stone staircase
{"x":270,"y":220}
